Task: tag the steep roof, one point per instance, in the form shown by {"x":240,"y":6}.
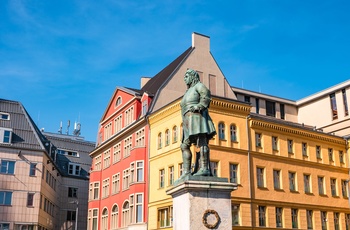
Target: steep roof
{"x":153,"y":85}
{"x":25,"y":134}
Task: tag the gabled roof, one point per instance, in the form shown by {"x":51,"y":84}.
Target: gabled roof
{"x":25,"y":134}
{"x":153,"y":85}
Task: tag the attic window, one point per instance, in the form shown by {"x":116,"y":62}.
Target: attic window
{"x":118,"y":102}
{"x":4,"y":116}
{"x":68,"y":152}
{"x":5,"y":135}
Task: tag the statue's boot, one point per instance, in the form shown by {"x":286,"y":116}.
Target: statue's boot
{"x":204,"y":162}
{"x":186,"y":170}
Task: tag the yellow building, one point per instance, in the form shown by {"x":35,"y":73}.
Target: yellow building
{"x":289,"y":175}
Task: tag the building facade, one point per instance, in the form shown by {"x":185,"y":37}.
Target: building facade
{"x":118,"y":192}
{"x":33,"y":179}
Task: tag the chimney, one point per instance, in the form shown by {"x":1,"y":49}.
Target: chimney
{"x":200,"y":41}
{"x":144,"y":81}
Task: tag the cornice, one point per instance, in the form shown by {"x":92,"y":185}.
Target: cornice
{"x":297,"y":131}
{"x":165,"y":111}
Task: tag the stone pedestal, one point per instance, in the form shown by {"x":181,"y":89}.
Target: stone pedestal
{"x":202,"y":203}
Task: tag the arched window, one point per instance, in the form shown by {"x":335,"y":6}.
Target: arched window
{"x":167,"y":137}
{"x":126,"y":214}
{"x":104,"y":224}
{"x":175,"y":133}
{"x":181,"y":130}
{"x":114,"y":217}
{"x":118,"y":101}
{"x":233,"y":132}
{"x":221,"y":131}
{"x":159,"y":140}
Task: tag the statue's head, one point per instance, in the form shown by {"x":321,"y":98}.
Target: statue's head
{"x":191,"y":77}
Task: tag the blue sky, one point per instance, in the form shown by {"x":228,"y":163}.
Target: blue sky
{"x":63,"y":59}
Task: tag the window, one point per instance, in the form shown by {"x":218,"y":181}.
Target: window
{"x":72,"y":192}
{"x":214,"y":168}
{"x":118,"y":123}
{"x":260,"y":177}
{"x":235,"y":214}
{"x":159,"y":140}
{"x":247,"y":99}
{"x":139,"y":171}
{"x":309,"y":219}
{"x":105,"y":188}
{"x":140,"y":138}
{"x":125,"y":214}
{"x":116,"y":183}
{"x":282,"y":111}
{"x":73,"y":169}
{"x":7,"y":167}
{"x":71,"y":215}
{"x":132,"y":172}
{"x":139,"y":208}
{"x":98,"y":162}
{"x":167,"y":137}
{"x":107,"y":159}
{"x":292,"y":181}
{"x":330,"y":154}
{"x":104,"y":221}
{"x":129,"y":116}
{"x":257,"y":105}
{"x":4,"y":116}
{"x":5,"y":198}
{"x":321,"y":185}
{"x":67,"y":152}
{"x":144,"y":107}
{"x":94,"y":219}
{"x":171,"y":175}
{"x":270,"y":109}
{"x":161,"y":178}
{"x":221,"y":131}
{"x":274,"y":143}
{"x":116,"y":153}
{"x":277,"y":179}
{"x":345,"y":102}
{"x":30,"y":199}
{"x":324,"y":220}
{"x":334,"y":186}
{"x":290,"y":146}
{"x":107,"y":131}
{"x":165,"y":217}
{"x":258,"y":139}
{"x":307,"y":183}
{"x":341,"y":157}
{"x":127,"y":146}
{"x":333,"y":106}
{"x":175,"y":134}
{"x":118,"y":101}
{"x":96,"y":190}
{"x":234,"y":173}
{"x":294,"y":218}
{"x":336,"y":220}
{"x":344,"y":188}
{"x":278,"y":217}
{"x":262,"y":216}
{"x":4,"y":226}
{"x":347,"y":221}
{"x":5,"y":135}
{"x":126,"y":179}
{"x":32,"y":169}
{"x":114,"y":217}
{"x":318,"y":152}
{"x":233,"y":133}
{"x":304,"y":149}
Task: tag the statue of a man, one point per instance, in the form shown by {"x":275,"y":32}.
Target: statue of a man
{"x":198,"y":127}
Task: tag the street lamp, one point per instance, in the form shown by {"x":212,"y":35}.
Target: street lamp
{"x":76,"y":213}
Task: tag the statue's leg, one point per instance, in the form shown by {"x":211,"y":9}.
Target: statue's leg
{"x":187,"y":158}
{"x":204,"y":162}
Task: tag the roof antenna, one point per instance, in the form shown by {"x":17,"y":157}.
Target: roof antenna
{"x":68,"y":124}
{"x":60,"y":129}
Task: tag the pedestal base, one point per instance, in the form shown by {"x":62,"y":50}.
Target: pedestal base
{"x":202,"y":203}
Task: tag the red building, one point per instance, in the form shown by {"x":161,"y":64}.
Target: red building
{"x":118,"y":182}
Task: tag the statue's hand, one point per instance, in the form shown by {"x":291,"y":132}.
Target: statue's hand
{"x":195,"y":108}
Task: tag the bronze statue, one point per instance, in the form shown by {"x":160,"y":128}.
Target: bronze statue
{"x":198,"y":128}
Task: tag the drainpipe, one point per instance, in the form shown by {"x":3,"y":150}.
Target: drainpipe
{"x":252,"y":213}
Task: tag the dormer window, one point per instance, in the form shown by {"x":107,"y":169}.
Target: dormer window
{"x":144,"y":107}
{"x":4,"y":116}
{"x":5,"y":135}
